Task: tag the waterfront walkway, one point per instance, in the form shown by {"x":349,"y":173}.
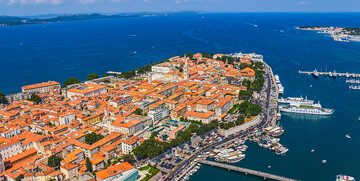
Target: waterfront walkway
{"x":246,"y":171}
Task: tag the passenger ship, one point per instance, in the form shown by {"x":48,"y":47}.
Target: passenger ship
{"x":302,"y":106}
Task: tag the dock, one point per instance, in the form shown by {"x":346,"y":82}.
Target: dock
{"x":247,"y":171}
{"x":113,"y":73}
{"x":330,"y":73}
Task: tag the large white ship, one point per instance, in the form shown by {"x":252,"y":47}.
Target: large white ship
{"x":302,"y":106}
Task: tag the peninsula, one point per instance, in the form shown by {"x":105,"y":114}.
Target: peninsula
{"x":160,"y":121}
{"x":16,"y":21}
{"x":346,"y":34}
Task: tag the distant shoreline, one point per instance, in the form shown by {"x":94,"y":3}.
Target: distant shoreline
{"x":346,"y":34}
{"x":19,"y":21}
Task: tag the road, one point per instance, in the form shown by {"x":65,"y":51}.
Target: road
{"x":264,"y":122}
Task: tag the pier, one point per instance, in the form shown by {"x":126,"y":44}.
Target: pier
{"x":246,"y":171}
{"x":113,"y":73}
{"x":330,"y":73}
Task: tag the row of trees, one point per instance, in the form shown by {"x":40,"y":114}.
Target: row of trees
{"x":153,"y":147}
{"x":74,"y":80}
{"x":240,"y":120}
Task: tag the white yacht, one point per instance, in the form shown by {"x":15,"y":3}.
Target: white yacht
{"x":344,"y":178}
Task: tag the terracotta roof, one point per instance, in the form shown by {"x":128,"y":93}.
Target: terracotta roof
{"x":44,"y":84}
{"x":114,"y":170}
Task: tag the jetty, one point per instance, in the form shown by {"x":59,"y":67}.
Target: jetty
{"x":247,"y":171}
{"x":113,"y":73}
{"x":332,"y":74}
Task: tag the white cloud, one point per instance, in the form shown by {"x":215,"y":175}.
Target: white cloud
{"x":86,"y":1}
{"x":24,"y":2}
{"x":181,"y":1}
{"x":146,"y":1}
{"x":302,"y":3}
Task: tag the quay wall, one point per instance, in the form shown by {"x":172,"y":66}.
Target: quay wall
{"x":242,"y":127}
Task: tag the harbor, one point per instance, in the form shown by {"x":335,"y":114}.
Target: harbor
{"x":330,"y":74}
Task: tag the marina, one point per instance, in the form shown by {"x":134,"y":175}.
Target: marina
{"x":333,"y":74}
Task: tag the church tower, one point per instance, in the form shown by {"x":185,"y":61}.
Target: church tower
{"x":186,"y":69}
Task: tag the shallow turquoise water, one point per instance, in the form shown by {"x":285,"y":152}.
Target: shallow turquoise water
{"x":31,"y":54}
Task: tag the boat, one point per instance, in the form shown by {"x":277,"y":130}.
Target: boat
{"x":281,"y":89}
{"x":277,"y":79}
{"x":348,"y":136}
{"x":307,"y":110}
{"x":235,"y":158}
{"x":315,"y":73}
{"x":359,"y":118}
{"x":324,"y":161}
{"x":278,"y":115}
{"x":295,"y":100}
{"x":344,"y":178}
{"x":312,"y":150}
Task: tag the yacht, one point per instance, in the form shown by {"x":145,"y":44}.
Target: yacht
{"x":348,"y":136}
{"x":323,"y":161}
{"x":315,"y":73}
{"x":235,"y":158}
{"x":344,"y":178}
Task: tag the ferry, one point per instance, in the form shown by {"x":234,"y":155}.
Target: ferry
{"x":344,"y":178}
{"x":296,"y":100}
{"x":307,"y":110}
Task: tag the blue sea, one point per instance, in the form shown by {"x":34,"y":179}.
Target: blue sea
{"x":38,"y":53}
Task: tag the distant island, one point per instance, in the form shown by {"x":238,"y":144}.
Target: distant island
{"x":346,"y":34}
{"x":16,"y":21}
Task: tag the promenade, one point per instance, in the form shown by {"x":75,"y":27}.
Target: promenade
{"x":246,"y":171}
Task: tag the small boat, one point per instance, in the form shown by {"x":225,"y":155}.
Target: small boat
{"x":269,"y":166}
{"x":359,"y":118}
{"x":344,"y":178}
{"x":324,"y":161}
{"x":348,"y":136}
{"x":312,"y":150}
{"x":310,"y":85}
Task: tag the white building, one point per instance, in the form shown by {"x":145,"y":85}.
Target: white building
{"x":41,"y":87}
{"x":10,"y":149}
{"x":158,"y":111}
{"x":87,"y":90}
{"x":124,"y":99}
{"x":66,"y":118}
{"x":132,"y":126}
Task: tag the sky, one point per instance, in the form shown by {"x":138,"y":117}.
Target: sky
{"x":42,"y":7}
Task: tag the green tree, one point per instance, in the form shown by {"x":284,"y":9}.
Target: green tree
{"x":70,"y":81}
{"x":92,"y":76}
{"x":21,"y":176}
{"x":138,"y":111}
{"x":105,"y":75}
{"x":92,"y":138}
{"x":54,"y":161}
{"x":128,"y":158}
{"x":245,"y":94}
{"x":240,"y":119}
{"x":154,"y":134}
{"x":35,"y":98}
{"x":88,"y":165}
{"x":52,"y":179}
{"x":2,"y":98}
